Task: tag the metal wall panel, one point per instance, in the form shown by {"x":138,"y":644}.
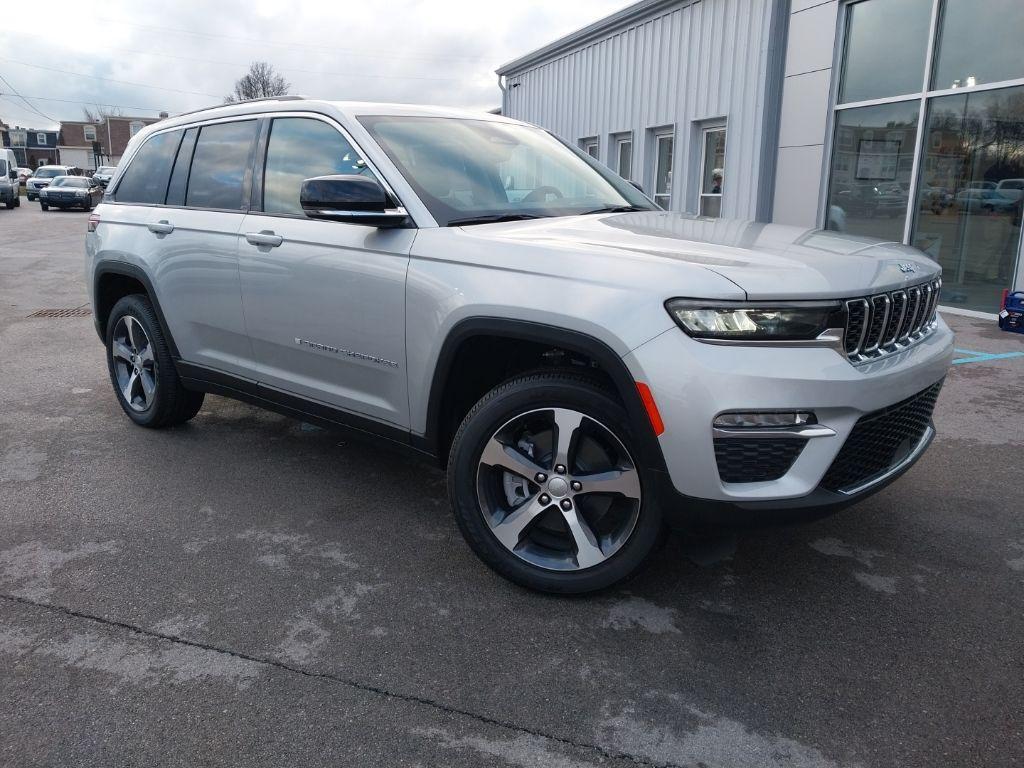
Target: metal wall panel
{"x":677,"y":64}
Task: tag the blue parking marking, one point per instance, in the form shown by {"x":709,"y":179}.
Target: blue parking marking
{"x":981,"y":357}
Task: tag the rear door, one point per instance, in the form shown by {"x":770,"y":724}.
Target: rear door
{"x":324,"y":301}
{"x":187,"y":192}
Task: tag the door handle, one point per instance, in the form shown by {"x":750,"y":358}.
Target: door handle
{"x":266,"y":238}
{"x":162,"y":227}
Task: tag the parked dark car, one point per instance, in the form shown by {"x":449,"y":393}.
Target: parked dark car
{"x":71,"y":192}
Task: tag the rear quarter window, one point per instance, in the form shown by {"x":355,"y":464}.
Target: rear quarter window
{"x":145,"y":181}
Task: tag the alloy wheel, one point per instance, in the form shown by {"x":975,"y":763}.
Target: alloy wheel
{"x":134,"y":363}
{"x":558,"y":489}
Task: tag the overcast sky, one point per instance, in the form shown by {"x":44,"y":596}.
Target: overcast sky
{"x":143,"y":56}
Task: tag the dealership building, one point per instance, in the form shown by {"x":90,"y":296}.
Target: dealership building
{"x":899,"y":119}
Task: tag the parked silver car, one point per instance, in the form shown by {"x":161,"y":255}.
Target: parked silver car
{"x":42,"y":178}
{"x":587,"y":367}
{"x":104,"y":174}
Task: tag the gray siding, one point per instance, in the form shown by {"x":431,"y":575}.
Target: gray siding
{"x":684,"y":65}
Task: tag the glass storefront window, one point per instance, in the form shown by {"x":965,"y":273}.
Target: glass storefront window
{"x":886,"y":42}
{"x":980,"y":42}
{"x":971,"y":192}
{"x":872,"y":162}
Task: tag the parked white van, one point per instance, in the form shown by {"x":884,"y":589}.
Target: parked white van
{"x":9,"y":183}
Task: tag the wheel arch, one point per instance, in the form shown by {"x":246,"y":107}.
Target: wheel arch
{"x":113,"y":281}
{"x":438,"y":433}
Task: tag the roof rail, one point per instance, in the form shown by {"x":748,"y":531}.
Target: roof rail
{"x":243,"y":101}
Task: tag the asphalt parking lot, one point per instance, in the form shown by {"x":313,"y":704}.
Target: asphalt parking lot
{"x":248,"y":590}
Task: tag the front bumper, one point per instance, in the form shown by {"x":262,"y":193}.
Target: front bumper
{"x":693,"y":382}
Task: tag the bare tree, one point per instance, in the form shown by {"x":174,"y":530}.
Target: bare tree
{"x":259,"y":82}
{"x":97,"y":113}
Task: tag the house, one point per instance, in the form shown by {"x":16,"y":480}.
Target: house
{"x":867,"y":117}
{"x":32,"y":147}
{"x":89,"y":145}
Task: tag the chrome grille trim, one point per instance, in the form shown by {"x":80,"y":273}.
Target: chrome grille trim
{"x":885,"y":323}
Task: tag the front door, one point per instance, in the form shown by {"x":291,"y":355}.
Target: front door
{"x":324,"y":301}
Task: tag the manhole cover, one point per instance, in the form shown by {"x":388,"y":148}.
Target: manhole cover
{"x":67,"y":312}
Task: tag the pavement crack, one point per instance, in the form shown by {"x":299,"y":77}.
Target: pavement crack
{"x":348,"y":683}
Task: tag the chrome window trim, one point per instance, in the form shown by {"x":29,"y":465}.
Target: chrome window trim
{"x":258,"y":162}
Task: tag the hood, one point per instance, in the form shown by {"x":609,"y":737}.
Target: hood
{"x":767,"y":261}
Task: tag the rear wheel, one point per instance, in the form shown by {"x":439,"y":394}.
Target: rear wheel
{"x":545,"y":488}
{"x":142,"y":370}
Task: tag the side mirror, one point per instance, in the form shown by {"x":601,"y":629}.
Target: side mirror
{"x":351,"y":199}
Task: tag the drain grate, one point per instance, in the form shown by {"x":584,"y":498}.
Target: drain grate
{"x":66,"y":312}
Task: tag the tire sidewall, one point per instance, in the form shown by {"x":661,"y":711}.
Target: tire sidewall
{"x":139,"y":308}
{"x":498,"y":407}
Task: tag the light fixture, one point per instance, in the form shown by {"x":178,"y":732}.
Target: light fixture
{"x":764,"y":420}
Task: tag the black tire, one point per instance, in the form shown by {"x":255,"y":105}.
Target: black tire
{"x":171,"y":404}
{"x":10,"y":205}
{"x":44,"y":206}
{"x":504,"y":404}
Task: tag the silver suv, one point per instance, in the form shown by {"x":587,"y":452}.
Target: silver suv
{"x":588,"y":368}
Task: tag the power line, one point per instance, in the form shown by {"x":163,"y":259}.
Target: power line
{"x":30,"y":105}
{"x":109,"y":79}
{"x":304,"y":46}
{"x":359,"y":75}
{"x":93,"y":102}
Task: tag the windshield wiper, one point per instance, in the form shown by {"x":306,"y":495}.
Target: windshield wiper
{"x":615,"y":209}
{"x":492,"y":218}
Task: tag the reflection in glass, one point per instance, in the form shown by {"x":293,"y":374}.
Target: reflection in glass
{"x":979,"y":43}
{"x":872,"y":159}
{"x":300,"y":149}
{"x":971,"y":193}
{"x":886,"y":42}
{"x":145,"y":181}
{"x":663,"y":172}
{"x":218,"y":165}
{"x":713,"y":173}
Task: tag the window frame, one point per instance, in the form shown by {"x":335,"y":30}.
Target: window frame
{"x":923,"y":97}
{"x":591,"y":141}
{"x":658,"y":135}
{"x":85,"y":132}
{"x":41,"y":139}
{"x":618,"y":140}
{"x":702,"y":167}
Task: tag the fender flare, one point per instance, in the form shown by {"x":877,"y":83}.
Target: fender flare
{"x":573,"y":341}
{"x":136,"y":273}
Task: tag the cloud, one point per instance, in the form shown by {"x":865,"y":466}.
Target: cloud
{"x":180,"y":56}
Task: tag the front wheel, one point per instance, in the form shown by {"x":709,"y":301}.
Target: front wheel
{"x":44,"y":206}
{"x":546,"y":489}
{"x":142,"y":370}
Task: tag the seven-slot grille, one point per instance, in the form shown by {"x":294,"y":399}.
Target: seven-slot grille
{"x":886,"y":322}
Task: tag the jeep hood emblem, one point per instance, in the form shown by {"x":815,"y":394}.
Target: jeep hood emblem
{"x":906,"y":268}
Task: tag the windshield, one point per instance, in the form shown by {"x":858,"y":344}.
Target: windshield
{"x":465,"y":170}
{"x":49,"y":173}
{"x":70,"y":181}
{"x":106,"y":169}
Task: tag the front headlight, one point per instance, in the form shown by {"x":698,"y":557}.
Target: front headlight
{"x":757,"y":321}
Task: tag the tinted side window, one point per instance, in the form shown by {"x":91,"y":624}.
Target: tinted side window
{"x":145,"y":181}
{"x":219,"y":164}
{"x":299,"y":149}
{"x":179,"y":177}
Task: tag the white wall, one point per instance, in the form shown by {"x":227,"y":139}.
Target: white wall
{"x":803,"y":123}
{"x":683,"y":64}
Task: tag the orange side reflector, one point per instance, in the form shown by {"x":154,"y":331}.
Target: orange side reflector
{"x":652,"y":408}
